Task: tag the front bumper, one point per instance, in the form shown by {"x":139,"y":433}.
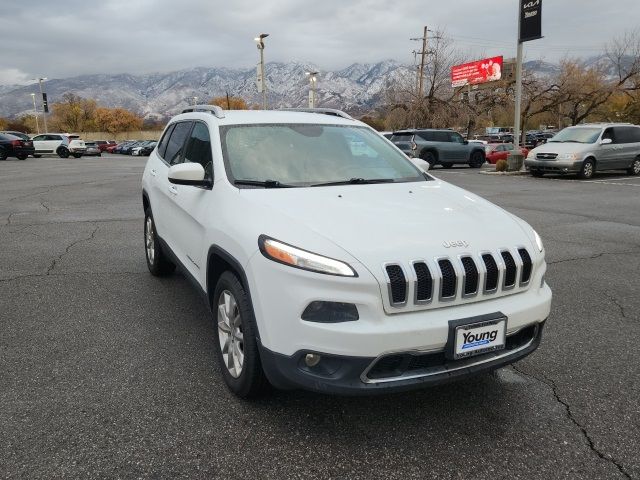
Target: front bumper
{"x":553,"y":166}
{"x":345,"y":375}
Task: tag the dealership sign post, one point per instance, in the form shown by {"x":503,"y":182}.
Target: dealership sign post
{"x":529,"y":28}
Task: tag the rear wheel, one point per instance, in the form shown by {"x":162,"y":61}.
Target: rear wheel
{"x":22,"y":156}
{"x":157,"y":262}
{"x":588,"y":169}
{"x":77,"y":155}
{"x":237,"y":347}
{"x":3,"y":154}
{"x":429,"y":157}
{"x":63,"y":152}
{"x":634,"y":169}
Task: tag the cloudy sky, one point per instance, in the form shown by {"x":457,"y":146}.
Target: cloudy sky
{"x":64,"y":38}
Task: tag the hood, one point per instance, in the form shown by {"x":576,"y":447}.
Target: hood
{"x":396,"y":222}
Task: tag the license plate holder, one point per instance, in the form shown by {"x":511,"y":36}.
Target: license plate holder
{"x":473,"y":336}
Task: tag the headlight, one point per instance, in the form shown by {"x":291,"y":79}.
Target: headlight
{"x":296,"y":257}
{"x":531,"y":155}
{"x":538,"y":241}
{"x":567,"y":156}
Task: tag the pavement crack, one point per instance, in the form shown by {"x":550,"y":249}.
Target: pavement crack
{"x":69,"y":247}
{"x":592,"y":257}
{"x":621,"y":308}
{"x":44,"y":205}
{"x":554,"y":389}
{"x":66,"y":274}
{"x":9,"y":219}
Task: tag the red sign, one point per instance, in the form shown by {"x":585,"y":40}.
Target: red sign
{"x":482,"y":71}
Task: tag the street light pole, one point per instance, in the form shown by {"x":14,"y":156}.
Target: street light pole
{"x":35,"y":110}
{"x":195,"y":101}
{"x":260,"y":40}
{"x":44,"y":113}
{"x":312,"y":80}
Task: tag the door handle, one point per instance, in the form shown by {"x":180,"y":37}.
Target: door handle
{"x":173,"y":190}
{"x":153,"y":173}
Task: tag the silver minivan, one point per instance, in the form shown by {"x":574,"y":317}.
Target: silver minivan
{"x":583,"y":149}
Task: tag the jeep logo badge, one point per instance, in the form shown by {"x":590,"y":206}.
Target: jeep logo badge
{"x":455,"y":243}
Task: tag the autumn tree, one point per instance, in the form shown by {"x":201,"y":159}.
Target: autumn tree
{"x":3,"y":123}
{"x":73,"y":114}
{"x":229,"y":103}
{"x":117,"y":120}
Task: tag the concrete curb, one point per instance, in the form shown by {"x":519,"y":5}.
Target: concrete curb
{"x":518,"y":173}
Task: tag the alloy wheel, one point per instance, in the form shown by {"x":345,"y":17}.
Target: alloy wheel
{"x":230,"y":333}
{"x":636,"y":166}
{"x":150,"y":245}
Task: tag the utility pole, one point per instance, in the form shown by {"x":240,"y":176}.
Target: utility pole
{"x":262,"y":84}
{"x":312,"y":91}
{"x":423,"y":57}
{"x":35,"y":110}
{"x":45,"y":106}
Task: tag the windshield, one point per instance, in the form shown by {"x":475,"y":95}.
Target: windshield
{"x":308,"y":155}
{"x":577,"y":135}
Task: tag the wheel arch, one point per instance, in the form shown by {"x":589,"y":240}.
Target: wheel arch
{"x":145,"y":200}
{"x":431,"y":150}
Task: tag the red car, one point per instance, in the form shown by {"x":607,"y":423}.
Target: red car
{"x":103,"y":145}
{"x":110,"y":148}
{"x":500,"y":151}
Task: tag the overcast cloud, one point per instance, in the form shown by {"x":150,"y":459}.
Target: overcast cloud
{"x":64,"y":38}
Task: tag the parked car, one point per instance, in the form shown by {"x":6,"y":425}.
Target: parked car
{"x":60,"y":144}
{"x":444,"y":147}
{"x":584,"y":149}
{"x":500,"y":151}
{"x":111,"y":148}
{"x":93,"y":149}
{"x":123,"y":147}
{"x":146,"y":149}
{"x":104,"y":144}
{"x":333,"y":269}
{"x":13,"y":146}
{"x":21,"y":135}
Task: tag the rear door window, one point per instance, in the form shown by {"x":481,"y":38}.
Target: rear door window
{"x":441,"y":136}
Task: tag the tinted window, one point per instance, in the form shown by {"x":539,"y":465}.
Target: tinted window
{"x":627,"y":134}
{"x":401,"y":137}
{"x":39,"y":137}
{"x":456,"y":137}
{"x":427,"y":136}
{"x":609,"y":133}
{"x":636,"y":134}
{"x":440,"y":136}
{"x":162,"y":147}
{"x":199,"y":149}
{"x":176,"y":144}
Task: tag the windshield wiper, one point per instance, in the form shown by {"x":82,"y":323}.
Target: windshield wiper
{"x":264,"y":183}
{"x":354,"y":181}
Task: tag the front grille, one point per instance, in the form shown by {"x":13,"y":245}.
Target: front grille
{"x":527,"y":265}
{"x":443,"y":279}
{"x":546,"y":156}
{"x":470,"y":276}
{"x":397,"y":284}
{"x":510,"y":269}
{"x":424,"y":282}
{"x":449,"y":280}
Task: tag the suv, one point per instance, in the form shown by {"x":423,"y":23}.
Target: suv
{"x":60,"y":144}
{"x":583,"y":149}
{"x":331,"y":262}
{"x":445,"y":147}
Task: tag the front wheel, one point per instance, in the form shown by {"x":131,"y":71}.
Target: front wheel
{"x":63,"y":152}
{"x":157,"y":262}
{"x":22,"y":156}
{"x":477,"y":160}
{"x":3,"y":154}
{"x":634,"y":169}
{"x":588,"y":169}
{"x":237,"y":348}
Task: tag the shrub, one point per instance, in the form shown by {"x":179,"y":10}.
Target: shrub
{"x":501,"y":166}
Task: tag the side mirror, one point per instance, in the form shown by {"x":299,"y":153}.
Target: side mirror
{"x":421,"y":164}
{"x":188,"y":174}
{"x":606,"y":141}
{"x":465,"y":142}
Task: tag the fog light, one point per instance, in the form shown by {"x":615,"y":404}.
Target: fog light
{"x":312,"y":359}
{"x":330,"y":312}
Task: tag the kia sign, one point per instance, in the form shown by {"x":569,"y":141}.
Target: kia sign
{"x":482,"y":71}
{"x":530,"y":20}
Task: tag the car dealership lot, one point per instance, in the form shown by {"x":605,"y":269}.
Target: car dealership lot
{"x":107,"y":371}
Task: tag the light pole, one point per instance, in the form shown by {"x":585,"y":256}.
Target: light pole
{"x":35,"y":111}
{"x":262,"y":84}
{"x":312,"y":93}
{"x":195,"y":101}
{"x":45,"y":108}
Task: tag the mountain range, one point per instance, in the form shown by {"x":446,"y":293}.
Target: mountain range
{"x":357,"y":88}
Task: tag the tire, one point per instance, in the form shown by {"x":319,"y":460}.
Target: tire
{"x":537,"y":174}
{"x":236,"y":345}
{"x":63,"y":152}
{"x":447,"y":165}
{"x":158,"y":263}
{"x":588,"y":169}
{"x":22,"y":156}
{"x":77,"y":155}
{"x":634,"y":169}
{"x":430,"y":158}
{"x":37,"y":156}
{"x":3,"y":154}
{"x":477,"y":159}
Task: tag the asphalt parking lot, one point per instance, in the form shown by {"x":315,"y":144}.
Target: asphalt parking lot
{"x":107,"y":371}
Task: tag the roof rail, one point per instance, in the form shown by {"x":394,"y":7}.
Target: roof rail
{"x":323,"y":111}
{"x":216,"y":110}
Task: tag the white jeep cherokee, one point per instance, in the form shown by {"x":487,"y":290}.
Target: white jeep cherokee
{"x":330,"y":262}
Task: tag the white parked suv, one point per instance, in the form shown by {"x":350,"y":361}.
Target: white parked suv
{"x":330,"y":262}
{"x":60,"y":144}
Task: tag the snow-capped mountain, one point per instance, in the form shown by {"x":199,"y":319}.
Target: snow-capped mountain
{"x":355,"y":88}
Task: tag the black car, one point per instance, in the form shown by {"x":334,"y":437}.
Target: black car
{"x":148,"y":148}
{"x":13,"y":146}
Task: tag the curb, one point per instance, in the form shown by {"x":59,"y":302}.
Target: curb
{"x":512,"y":174}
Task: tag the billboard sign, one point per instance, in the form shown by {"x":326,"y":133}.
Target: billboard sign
{"x":530,"y":20}
{"x":474,"y":73}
